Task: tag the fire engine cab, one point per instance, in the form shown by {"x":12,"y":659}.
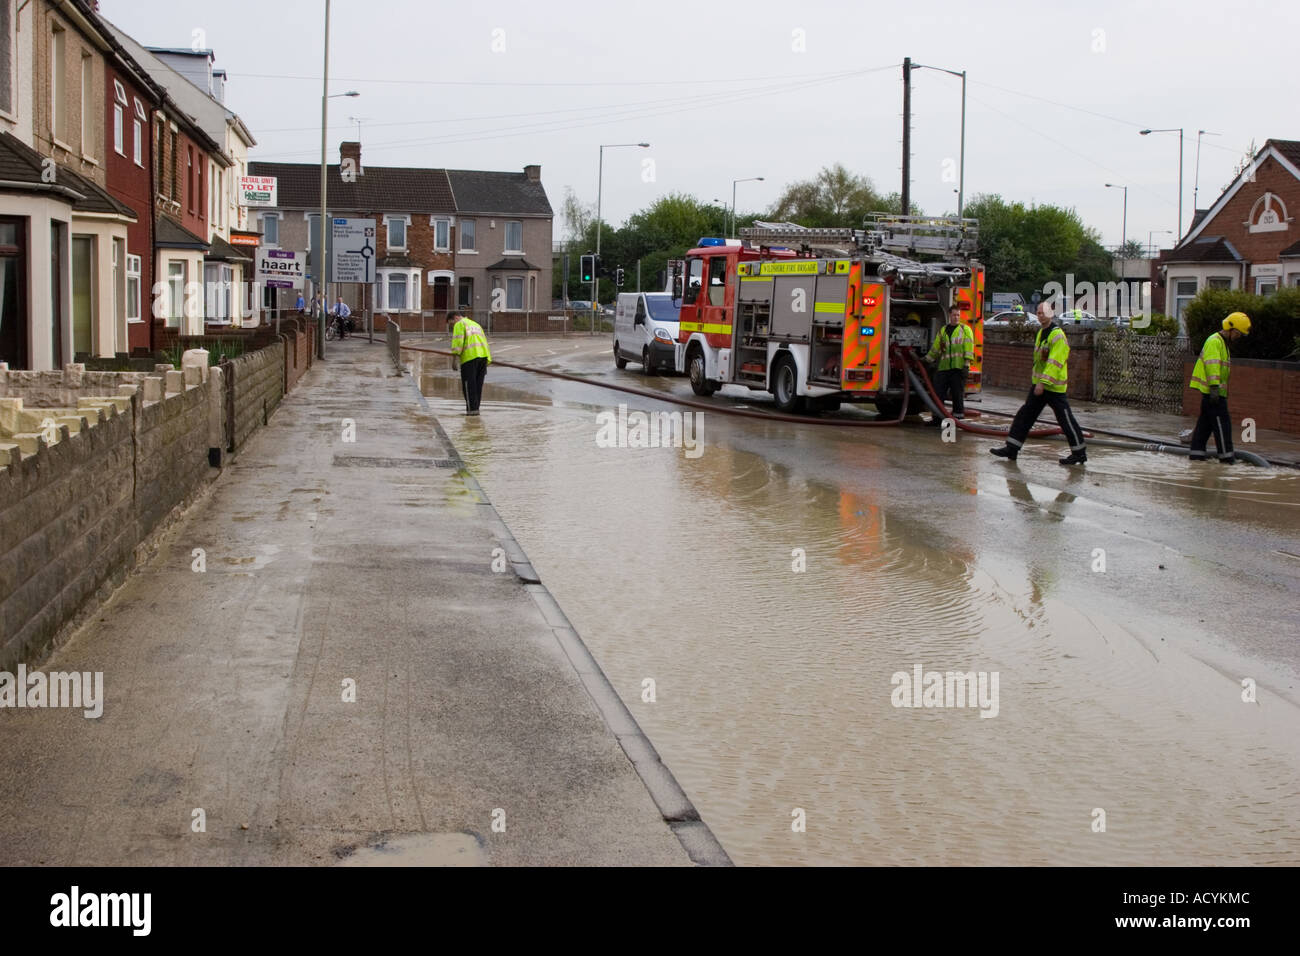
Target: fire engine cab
{"x":818,"y":317}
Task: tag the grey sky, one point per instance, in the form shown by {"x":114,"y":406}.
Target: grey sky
{"x":720,"y":92}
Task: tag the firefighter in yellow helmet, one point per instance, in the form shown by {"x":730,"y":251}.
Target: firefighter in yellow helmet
{"x":470,"y":347}
{"x":1210,"y":378}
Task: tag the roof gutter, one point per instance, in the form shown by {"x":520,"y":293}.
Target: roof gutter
{"x":18,"y":184}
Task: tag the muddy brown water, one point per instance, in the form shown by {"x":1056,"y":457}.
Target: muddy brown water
{"x":774,"y":688}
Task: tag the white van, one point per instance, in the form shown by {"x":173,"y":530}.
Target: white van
{"x":645,"y":330}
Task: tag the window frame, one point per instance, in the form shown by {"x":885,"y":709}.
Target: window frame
{"x":119,"y":118}
{"x":10,"y":39}
{"x":138,"y":121}
{"x":389,"y":219}
{"x":472,"y":248}
{"x":1183,"y":298}
{"x":508,"y":250}
{"x":133,"y":279}
{"x":88,"y":124}
{"x":59,"y":84}
{"x":274,"y":216}
{"x":522,"y":307}
{"x":439,"y":223}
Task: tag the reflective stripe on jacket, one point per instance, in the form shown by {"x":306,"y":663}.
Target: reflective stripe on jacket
{"x":469,"y":341}
{"x":1213,"y":367}
{"x":1051,"y":354}
{"x":953,"y":351}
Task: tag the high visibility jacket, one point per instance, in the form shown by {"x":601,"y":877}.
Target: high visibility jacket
{"x":1051,"y":353}
{"x":469,"y":341}
{"x":1213,"y":366}
{"x":953,"y":347}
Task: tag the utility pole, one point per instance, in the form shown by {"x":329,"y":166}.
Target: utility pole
{"x":907,"y":134}
{"x":320,"y":256}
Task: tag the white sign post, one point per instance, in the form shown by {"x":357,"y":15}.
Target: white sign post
{"x":353,"y":258}
{"x":257,"y":190}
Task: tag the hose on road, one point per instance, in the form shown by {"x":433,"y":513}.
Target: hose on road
{"x":926,"y":390}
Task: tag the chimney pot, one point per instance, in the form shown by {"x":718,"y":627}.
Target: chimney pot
{"x":351,"y":150}
{"x":534,"y":173}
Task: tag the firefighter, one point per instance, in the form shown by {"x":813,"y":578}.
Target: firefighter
{"x":953,"y":350}
{"x":470,"y":347}
{"x":1210,"y":378}
{"x":1051,"y":354}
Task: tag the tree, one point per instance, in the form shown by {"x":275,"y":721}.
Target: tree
{"x":1132,"y":249}
{"x":834,"y":197}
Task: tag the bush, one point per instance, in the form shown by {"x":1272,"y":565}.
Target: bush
{"x":1160,"y":325}
{"x":1274,"y":320}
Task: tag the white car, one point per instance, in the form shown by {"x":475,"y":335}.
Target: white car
{"x":645,"y":330}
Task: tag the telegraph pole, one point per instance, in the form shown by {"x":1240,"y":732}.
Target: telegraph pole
{"x":907,"y":134}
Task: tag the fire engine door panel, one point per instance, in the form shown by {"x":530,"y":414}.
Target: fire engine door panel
{"x":715,"y":315}
{"x":832,"y":296}
{"x":755,"y":289}
{"x":866,"y":335}
{"x":793,"y":300}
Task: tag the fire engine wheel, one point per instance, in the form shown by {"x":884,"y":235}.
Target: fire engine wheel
{"x":619,"y":361}
{"x":785,"y":385}
{"x":695,"y":368}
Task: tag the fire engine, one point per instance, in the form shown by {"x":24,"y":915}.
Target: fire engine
{"x":822,"y":316}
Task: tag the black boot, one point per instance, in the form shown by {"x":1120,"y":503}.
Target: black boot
{"x":1074,"y":458}
{"x":1005,"y":451}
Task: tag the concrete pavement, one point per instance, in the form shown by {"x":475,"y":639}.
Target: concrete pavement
{"x":322,"y":664}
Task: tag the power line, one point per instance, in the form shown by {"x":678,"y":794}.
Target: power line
{"x":709,"y":81}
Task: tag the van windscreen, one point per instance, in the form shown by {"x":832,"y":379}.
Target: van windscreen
{"x":662,"y":309}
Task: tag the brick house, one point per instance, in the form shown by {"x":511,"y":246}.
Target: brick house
{"x":434,"y":250}
{"x":1249,"y":239}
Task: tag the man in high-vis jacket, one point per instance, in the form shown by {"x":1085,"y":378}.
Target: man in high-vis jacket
{"x":953,"y":350}
{"x":470,"y":347}
{"x":1051,"y":355}
{"x":1210,"y":378}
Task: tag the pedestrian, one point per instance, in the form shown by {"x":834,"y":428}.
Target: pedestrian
{"x":1051,"y":354}
{"x":1210,"y":378}
{"x":469,"y":346}
{"x":342,"y":311}
{"x":953,"y":350}
{"x":300,"y":305}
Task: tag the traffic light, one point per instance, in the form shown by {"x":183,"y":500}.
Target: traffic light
{"x":588,"y":270}
{"x":618,"y":277}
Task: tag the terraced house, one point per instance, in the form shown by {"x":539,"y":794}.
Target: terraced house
{"x":445,"y":239}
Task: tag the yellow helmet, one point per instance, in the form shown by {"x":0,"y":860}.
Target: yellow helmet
{"x":1239,"y":321}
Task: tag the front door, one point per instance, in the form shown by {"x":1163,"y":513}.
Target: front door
{"x":13,"y":298}
{"x":83,"y":283}
{"x":441,"y":294}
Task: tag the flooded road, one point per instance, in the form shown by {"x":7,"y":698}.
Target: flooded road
{"x":788,"y":590}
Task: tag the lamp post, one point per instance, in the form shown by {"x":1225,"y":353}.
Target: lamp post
{"x":961,"y":175}
{"x":748,"y":179}
{"x":324,"y":118}
{"x":600,"y":183}
{"x":1124,"y":229}
{"x":1196,"y":177}
{"x":1150,"y":246}
{"x":1179,"y":131}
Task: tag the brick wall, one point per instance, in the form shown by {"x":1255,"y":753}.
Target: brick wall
{"x":1268,"y":392}
{"x":497,"y":323}
{"x":257,"y":381}
{"x":1009,"y":360}
{"x":299,"y":338}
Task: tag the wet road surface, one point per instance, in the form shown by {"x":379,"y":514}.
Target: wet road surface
{"x":772,"y":582}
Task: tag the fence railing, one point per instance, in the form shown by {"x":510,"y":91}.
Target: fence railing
{"x":1140,"y":371}
{"x":394,"y":336}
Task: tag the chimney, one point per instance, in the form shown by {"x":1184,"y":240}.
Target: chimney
{"x":350,"y":151}
{"x":534,"y":173}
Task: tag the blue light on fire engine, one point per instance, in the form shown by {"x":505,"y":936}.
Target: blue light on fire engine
{"x":712,"y":242}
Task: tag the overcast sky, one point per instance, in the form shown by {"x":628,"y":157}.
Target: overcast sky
{"x":723,"y":91}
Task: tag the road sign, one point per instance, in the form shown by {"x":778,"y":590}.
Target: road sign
{"x":353,"y":253}
{"x":281,"y":268}
{"x":257,"y":190}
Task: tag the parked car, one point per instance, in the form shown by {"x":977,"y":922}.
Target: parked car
{"x":1008,"y":318}
{"x":645,"y":330}
{"x":579,"y":305}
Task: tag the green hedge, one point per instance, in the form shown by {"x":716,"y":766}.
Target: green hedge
{"x":1274,"y":320}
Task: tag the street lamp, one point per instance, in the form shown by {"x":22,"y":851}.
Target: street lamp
{"x":961,"y":175}
{"x":1196,"y":178}
{"x":1179,"y":131}
{"x":1124,"y":231}
{"x":324,"y":119}
{"x":1151,"y":249}
{"x":600,"y":183}
{"x":749,"y":179}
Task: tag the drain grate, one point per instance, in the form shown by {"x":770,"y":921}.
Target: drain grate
{"x":359,"y":461}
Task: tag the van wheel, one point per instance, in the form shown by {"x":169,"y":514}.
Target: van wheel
{"x":646,"y":367}
{"x":619,"y":361}
{"x":785,"y":385}
{"x":695,"y":369}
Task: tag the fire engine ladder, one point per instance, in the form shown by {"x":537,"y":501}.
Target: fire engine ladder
{"x":945,"y":236}
{"x":835,"y":241}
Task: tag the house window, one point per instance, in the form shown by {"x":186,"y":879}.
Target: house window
{"x":1265,"y":285}
{"x":220,"y":280}
{"x":1218,"y":282}
{"x":515,"y":237}
{"x":313,"y":230}
{"x":133,"y":289}
{"x":88,"y":143}
{"x":119,"y":284}
{"x":59,"y":84}
{"x":119,"y":117}
{"x":175,"y":293}
{"x":441,"y":235}
{"x":467,"y":235}
{"x":137,"y":132}
{"x":465,"y":294}
{"x":1184,"y":292}
{"x":6,"y":56}
{"x":515,"y":293}
{"x":189,"y":178}
{"x":396,"y":232}
{"x":270,"y":229}
{"x":397,"y":292}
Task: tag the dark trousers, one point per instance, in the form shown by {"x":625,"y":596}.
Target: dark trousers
{"x":950,"y":385}
{"x":1030,"y":411}
{"x":472,"y":374}
{"x":1213,"y":420}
